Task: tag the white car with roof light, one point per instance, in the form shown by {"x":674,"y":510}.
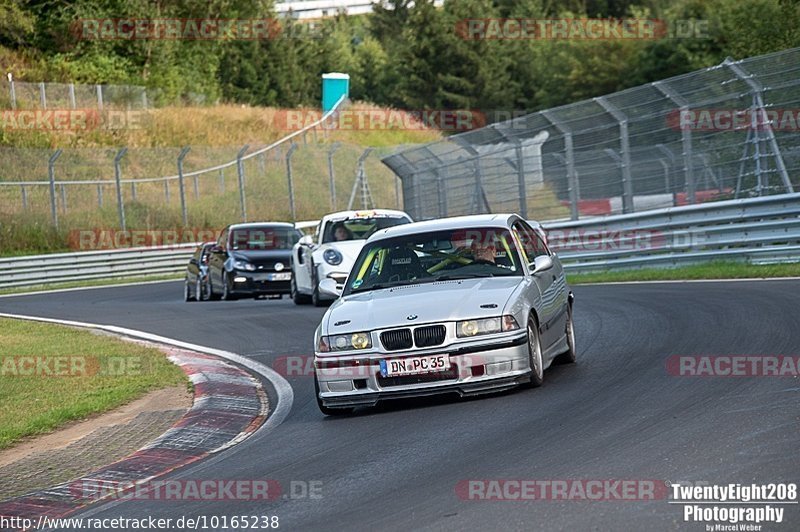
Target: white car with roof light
{"x":332,"y":250}
{"x":464,"y":305}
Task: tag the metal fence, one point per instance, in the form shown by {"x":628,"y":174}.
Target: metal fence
{"x":291,"y":179}
{"x":729,"y":131}
{"x":48,"y":95}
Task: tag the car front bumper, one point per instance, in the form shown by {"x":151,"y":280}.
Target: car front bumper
{"x":476,"y":368}
{"x":249,"y":283}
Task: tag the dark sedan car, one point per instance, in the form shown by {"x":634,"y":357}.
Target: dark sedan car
{"x":253,"y":259}
{"x":196,"y":283}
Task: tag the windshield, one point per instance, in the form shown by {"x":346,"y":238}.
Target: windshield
{"x":263,"y":238}
{"x":359,"y":228}
{"x":438,"y":256}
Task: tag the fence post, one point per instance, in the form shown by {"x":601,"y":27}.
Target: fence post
{"x":758,"y":100}
{"x":24,"y":198}
{"x":133,"y":191}
{"x":686,"y":138}
{"x":397,"y":191}
{"x":63,"y":198}
{"x":196,"y":183}
{"x":522,"y":189}
{"x":72,"y":101}
{"x":166,"y":191}
{"x":441,"y":190}
{"x":625,"y":161}
{"x":221,"y":180}
{"x":573,"y":183}
{"x":100,"y":196}
{"x":668,"y":178}
{"x":120,"y":205}
{"x":12,"y":92}
{"x":42,"y":95}
{"x":51,"y":173}
{"x":240,"y":171}
{"x":100,"y":97}
{"x":181,"y":156}
{"x":331,"y":176}
{"x":289,"y":153}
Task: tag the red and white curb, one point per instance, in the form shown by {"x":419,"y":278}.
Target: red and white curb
{"x":230,"y":405}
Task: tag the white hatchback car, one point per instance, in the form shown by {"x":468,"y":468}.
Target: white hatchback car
{"x":331,"y":252}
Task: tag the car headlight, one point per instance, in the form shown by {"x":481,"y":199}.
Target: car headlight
{"x":332,"y":257}
{"x":469,"y":328}
{"x":242,"y":265}
{"x":345,"y":342}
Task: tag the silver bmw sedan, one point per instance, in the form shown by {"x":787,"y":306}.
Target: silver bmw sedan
{"x":465,"y":305}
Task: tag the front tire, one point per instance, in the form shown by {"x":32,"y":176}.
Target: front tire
{"x":226,"y":289}
{"x":535,"y":355}
{"x":569,"y":356}
{"x":187,"y":293}
{"x":206,"y":290}
{"x":297,"y":297}
{"x":316,"y":300}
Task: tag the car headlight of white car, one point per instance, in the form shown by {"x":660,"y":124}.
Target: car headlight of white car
{"x":332,"y":257}
{"x":469,"y":328}
{"x":242,"y":265}
{"x":345,"y":342}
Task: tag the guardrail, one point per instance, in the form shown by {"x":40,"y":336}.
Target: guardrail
{"x":759,"y":230}
{"x":94,"y":265}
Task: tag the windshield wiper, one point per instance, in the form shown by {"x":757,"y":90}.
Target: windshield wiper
{"x":460,"y":276}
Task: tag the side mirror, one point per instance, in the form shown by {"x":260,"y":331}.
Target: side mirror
{"x":542,"y":263}
{"x":193,"y":261}
{"x":216,"y":249}
{"x":328,"y":286}
{"x":306,"y":240}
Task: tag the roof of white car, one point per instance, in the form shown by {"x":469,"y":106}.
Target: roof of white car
{"x":251,"y":224}
{"x":447,"y":224}
{"x":366,"y":213}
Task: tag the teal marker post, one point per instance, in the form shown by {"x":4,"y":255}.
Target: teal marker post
{"x":334,"y":86}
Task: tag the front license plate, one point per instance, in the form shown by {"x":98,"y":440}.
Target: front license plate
{"x":286,"y":276}
{"x":396,"y":367}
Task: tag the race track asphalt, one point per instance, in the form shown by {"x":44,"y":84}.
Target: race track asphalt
{"x":617,"y":414}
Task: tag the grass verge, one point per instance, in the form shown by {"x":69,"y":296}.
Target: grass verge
{"x":51,"y":375}
{"x":711,"y":270}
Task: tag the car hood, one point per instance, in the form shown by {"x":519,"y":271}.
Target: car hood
{"x":435,"y":302}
